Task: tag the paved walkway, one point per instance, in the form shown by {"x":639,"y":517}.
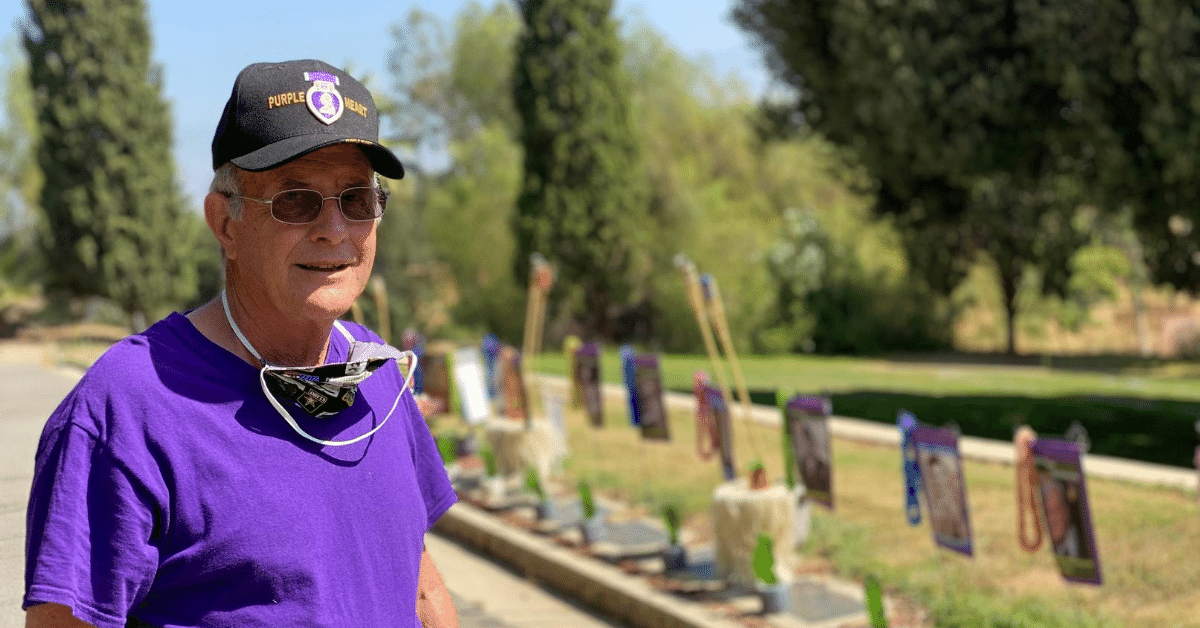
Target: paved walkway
{"x":486,"y":595}
{"x":490,"y":596}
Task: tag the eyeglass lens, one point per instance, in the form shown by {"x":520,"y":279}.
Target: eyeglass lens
{"x":303,"y":206}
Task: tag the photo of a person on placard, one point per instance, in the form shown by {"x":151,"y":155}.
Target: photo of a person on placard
{"x":436,"y":369}
{"x":1064,"y":517}
{"x":944,"y":491}
{"x":810,"y":441}
{"x":816,"y":459}
{"x":589,"y":384}
{"x":650,"y":403}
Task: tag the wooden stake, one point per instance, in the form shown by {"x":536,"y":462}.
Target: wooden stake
{"x":717,"y":308}
{"x":381,"y":306}
{"x":541,"y":279}
{"x":696,"y":299}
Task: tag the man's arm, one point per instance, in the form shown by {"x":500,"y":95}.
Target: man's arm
{"x":53,"y":616}
{"x":434,"y":606}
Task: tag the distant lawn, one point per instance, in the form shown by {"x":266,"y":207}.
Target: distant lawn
{"x":815,"y":374}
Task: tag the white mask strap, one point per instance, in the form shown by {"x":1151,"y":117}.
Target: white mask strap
{"x":237,"y":331}
{"x":287,"y":416}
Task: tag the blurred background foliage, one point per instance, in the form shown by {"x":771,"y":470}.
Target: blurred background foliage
{"x":721,"y":179}
{"x":921,"y":178}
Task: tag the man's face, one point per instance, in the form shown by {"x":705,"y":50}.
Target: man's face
{"x":309,"y":272}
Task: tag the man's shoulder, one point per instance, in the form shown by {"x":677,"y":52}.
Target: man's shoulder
{"x":125,"y":375}
{"x":137,"y":352}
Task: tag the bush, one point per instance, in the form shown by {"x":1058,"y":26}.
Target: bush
{"x":1160,"y":431}
{"x":858,"y":315}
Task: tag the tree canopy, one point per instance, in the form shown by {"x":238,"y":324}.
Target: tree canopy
{"x":116,"y":226}
{"x":984,"y":126}
{"x":583,"y":190}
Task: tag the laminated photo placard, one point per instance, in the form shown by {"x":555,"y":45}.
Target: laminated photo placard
{"x":1065,"y":509}
{"x":516,"y":404}
{"x":469,"y":379}
{"x":652,"y":413}
{"x":808,"y":426}
{"x":720,"y":413}
{"x":587,"y":366}
{"x":627,"y":370}
{"x":490,"y":347}
{"x":554,"y":405}
{"x":435,"y":367}
{"x":944,"y":487}
{"x":906,"y":422}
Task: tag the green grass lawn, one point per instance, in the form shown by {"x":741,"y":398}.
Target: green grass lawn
{"x":815,"y":374}
{"x":1147,"y":536}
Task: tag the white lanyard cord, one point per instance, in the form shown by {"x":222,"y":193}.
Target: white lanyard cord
{"x":246,"y":343}
{"x":287,"y":416}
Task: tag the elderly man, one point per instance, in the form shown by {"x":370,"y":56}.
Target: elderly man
{"x":253,"y":462}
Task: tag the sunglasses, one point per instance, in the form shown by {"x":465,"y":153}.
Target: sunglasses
{"x":299,"y":207}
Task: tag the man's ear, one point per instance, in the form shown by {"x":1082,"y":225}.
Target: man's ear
{"x":216,"y":214}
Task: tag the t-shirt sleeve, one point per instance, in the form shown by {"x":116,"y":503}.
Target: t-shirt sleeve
{"x":435,"y":485}
{"x":88,"y":530}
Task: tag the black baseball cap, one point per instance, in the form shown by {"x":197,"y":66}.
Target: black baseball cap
{"x":280,"y":111}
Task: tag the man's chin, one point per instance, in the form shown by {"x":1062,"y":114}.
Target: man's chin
{"x":328,"y":304}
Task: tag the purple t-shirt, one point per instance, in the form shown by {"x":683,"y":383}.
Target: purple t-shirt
{"x":167,"y":489}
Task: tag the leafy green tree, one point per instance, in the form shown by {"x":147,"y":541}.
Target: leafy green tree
{"x":116,"y":221}
{"x":717,"y":191}
{"x":584,"y":192}
{"x":452,"y":92}
{"x":979,"y":123}
{"x":1156,"y":116}
{"x":20,"y":179}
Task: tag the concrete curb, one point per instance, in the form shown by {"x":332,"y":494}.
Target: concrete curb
{"x":591,"y":582}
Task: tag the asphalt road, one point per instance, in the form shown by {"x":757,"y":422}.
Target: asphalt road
{"x":29,"y":394}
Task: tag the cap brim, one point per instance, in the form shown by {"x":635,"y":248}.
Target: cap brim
{"x":384,"y":162}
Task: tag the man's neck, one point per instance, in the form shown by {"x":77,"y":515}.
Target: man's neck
{"x":279,"y":341}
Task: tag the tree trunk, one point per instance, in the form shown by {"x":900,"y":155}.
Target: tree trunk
{"x":596,"y":319}
{"x":1137,"y":281}
{"x":1009,"y":278}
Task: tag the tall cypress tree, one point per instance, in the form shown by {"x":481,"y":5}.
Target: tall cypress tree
{"x":584,"y":193}
{"x":115,"y":217}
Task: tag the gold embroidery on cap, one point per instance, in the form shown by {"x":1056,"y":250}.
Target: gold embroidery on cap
{"x":284,"y":99}
{"x":356,"y":107}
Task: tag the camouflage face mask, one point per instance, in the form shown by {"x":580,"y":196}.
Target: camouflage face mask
{"x":326,"y":389}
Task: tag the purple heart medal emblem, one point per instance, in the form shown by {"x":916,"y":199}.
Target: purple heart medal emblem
{"x":322,"y":98}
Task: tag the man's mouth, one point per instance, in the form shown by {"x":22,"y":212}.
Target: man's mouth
{"x":324,"y":268}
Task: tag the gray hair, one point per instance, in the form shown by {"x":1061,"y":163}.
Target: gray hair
{"x":225,"y":182}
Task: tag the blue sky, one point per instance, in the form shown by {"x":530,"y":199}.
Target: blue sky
{"x":203,"y":45}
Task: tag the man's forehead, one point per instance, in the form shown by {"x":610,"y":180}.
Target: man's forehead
{"x":343,"y":163}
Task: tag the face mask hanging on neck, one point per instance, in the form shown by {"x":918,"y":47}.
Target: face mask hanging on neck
{"x":325,"y":389}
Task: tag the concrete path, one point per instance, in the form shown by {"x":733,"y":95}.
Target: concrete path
{"x":490,"y":596}
{"x":30,"y":392}
{"x":486,"y":595}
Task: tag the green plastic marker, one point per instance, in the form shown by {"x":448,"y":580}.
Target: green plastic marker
{"x":789,"y":461}
{"x":875,"y":603}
